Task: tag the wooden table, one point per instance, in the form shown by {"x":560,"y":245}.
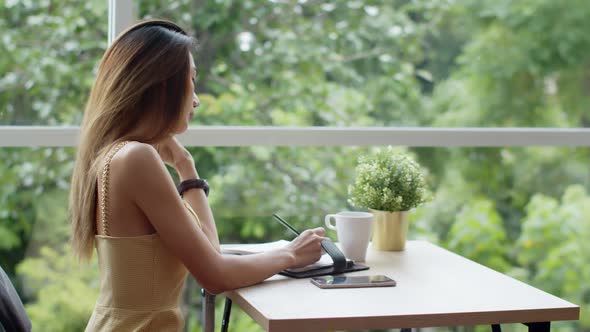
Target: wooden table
{"x":435,"y":287}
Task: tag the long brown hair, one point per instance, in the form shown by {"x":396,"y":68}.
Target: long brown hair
{"x":142,"y":76}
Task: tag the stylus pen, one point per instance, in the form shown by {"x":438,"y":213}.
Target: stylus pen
{"x":325,"y":243}
{"x":286,"y":224}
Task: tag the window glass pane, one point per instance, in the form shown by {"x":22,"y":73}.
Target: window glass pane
{"x":49,"y":52}
{"x":334,"y":63}
{"x":521,"y":211}
{"x":388,"y":63}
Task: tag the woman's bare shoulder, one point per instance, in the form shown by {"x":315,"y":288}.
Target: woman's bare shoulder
{"x":138,"y":152}
{"x":137,"y":160}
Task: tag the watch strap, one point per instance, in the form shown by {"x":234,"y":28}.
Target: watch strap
{"x":193,"y":183}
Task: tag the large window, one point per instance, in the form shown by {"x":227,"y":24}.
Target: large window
{"x":411,"y":73}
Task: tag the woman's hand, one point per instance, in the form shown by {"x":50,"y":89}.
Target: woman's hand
{"x":173,"y":153}
{"x":306,"y":248}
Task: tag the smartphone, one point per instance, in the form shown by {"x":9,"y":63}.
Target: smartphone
{"x":353,"y":281}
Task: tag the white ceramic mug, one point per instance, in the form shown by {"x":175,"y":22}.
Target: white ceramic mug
{"x":354,"y":232}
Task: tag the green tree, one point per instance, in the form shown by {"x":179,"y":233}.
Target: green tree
{"x":523,"y":63}
{"x":50,"y":49}
{"x":554,"y":245}
{"x":65,"y":291}
{"x":478,"y":234}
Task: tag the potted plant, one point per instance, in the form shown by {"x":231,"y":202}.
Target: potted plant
{"x":389,"y":184}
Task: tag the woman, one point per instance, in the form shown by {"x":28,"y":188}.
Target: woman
{"x":124,"y":202}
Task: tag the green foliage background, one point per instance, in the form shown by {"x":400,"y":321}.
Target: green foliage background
{"x":522,"y":211}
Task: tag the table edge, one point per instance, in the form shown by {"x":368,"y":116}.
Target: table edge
{"x":423,"y":320}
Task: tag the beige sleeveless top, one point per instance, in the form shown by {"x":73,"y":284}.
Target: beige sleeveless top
{"x":140,"y":280}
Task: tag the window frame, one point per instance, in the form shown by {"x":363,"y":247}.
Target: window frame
{"x":241,"y":136}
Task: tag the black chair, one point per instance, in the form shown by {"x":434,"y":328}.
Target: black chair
{"x":13,"y":316}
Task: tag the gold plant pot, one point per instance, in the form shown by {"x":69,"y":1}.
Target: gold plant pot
{"x":390,"y":230}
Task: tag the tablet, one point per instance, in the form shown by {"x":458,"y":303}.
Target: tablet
{"x":353,"y":281}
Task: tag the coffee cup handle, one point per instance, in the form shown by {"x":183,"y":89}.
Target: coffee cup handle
{"x":329,"y":223}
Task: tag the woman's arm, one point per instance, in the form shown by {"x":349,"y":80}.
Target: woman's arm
{"x":155,"y":194}
{"x":200,"y":204}
{"x":174,"y":154}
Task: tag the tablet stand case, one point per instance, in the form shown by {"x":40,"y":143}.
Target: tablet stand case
{"x":341,"y":265}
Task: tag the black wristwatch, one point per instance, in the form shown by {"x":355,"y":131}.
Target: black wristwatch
{"x":193,"y":183}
